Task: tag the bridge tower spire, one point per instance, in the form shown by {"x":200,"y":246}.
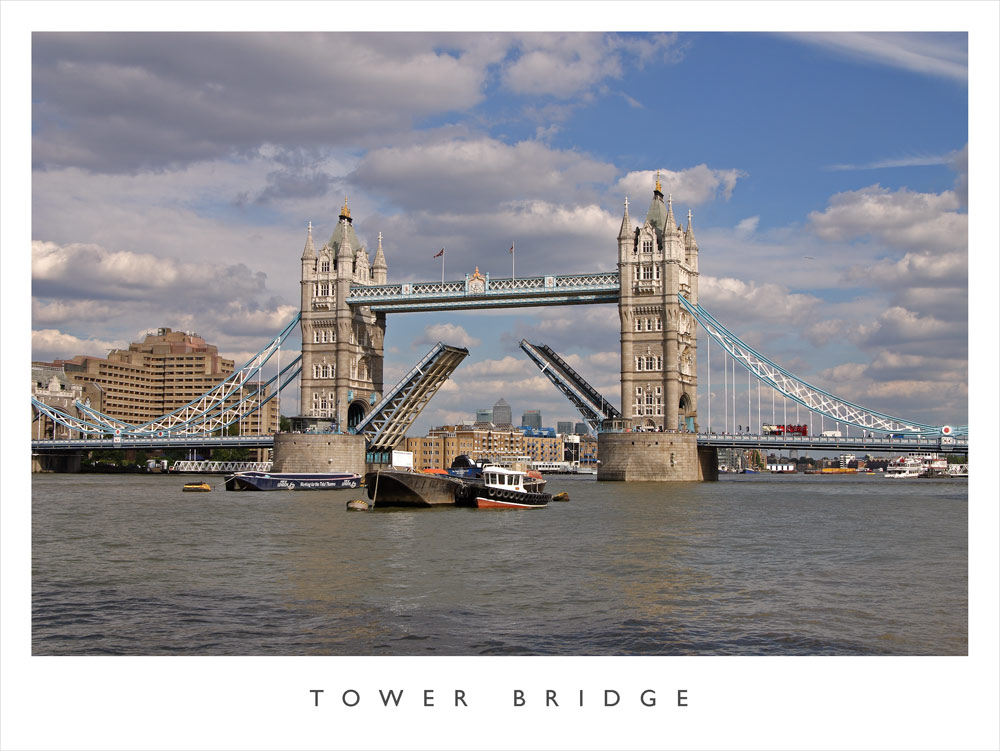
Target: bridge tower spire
{"x":657,"y":262}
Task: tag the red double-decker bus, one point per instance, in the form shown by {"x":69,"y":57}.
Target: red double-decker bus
{"x":784,"y":429}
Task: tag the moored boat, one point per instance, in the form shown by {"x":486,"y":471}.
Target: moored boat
{"x":196,"y":487}
{"x":503,"y":489}
{"x":903,"y":468}
{"x":253,"y":480}
{"x":401,"y":487}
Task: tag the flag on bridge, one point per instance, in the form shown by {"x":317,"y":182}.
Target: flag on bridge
{"x":439,"y":254}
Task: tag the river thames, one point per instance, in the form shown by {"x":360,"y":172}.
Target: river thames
{"x":750,"y":565}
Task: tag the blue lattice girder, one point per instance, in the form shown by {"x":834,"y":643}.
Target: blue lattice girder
{"x":812,"y":398}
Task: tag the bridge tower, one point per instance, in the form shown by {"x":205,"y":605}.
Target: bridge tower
{"x":658,"y":261}
{"x":342,"y":347}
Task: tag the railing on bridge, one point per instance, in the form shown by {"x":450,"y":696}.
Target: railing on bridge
{"x":219,"y":467}
{"x":483,"y":292}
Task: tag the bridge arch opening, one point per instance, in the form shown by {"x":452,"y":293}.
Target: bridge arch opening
{"x":355,"y":413}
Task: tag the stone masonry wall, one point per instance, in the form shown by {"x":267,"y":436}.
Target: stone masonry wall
{"x":319,"y":452}
{"x":648,"y":457}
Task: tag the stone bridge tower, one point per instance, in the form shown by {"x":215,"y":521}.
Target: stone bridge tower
{"x":342,"y":347}
{"x":657,"y":261}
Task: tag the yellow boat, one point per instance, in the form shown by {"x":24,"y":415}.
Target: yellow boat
{"x":196,"y":487}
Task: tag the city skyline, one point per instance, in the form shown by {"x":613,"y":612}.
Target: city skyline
{"x":832,"y":222}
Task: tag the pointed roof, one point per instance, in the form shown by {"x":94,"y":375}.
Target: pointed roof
{"x":343,"y":231}
{"x":671,"y":222}
{"x":657,"y":215}
{"x":689,"y":233}
{"x":309,"y":251}
{"x":626,"y":230}
{"x":379,"y":255}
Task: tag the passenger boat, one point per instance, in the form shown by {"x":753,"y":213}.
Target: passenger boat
{"x":903,"y":468}
{"x":502,"y":488}
{"x":254,"y":480}
{"x":196,"y":487}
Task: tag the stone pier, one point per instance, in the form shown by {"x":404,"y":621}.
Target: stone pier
{"x":654,"y":457}
{"x":319,"y":452}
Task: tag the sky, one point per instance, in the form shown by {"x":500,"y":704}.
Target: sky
{"x":173,"y":176}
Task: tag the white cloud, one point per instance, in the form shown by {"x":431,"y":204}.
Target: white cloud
{"x":902,"y":218}
{"x":446,"y":333}
{"x":692,"y":186}
{"x":52,"y":344}
{"x":933,"y":53}
{"x":565,"y":65}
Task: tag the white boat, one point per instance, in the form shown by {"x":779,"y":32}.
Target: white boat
{"x":904,"y":467}
{"x":504,"y":488}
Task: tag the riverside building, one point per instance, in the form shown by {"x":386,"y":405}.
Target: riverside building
{"x":156,"y":376}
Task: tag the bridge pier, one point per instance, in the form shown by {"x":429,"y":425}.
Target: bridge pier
{"x":68,"y":463}
{"x":319,"y":452}
{"x":655,"y":457}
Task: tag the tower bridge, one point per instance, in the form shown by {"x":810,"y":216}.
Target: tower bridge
{"x":345,"y":298}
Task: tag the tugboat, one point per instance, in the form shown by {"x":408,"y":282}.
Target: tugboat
{"x":501,"y":489}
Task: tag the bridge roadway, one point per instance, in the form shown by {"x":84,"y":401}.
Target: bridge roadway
{"x":870,"y":444}
{"x":748,"y":441}
{"x":173,"y":442}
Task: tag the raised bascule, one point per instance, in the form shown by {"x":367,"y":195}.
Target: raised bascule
{"x":348,"y":419}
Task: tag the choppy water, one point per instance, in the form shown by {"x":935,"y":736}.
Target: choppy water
{"x":758,"y":565}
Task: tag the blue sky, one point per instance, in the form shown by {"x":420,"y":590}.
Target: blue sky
{"x":174,"y":175}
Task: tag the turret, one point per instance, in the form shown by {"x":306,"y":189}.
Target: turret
{"x":625,"y":236}
{"x":308,"y":269}
{"x":690,"y":245}
{"x":380,"y":271}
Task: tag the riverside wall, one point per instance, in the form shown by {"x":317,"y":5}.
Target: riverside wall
{"x":654,"y":457}
{"x":319,"y":452}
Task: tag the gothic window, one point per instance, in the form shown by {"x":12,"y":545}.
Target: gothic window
{"x":362,"y":370}
{"x":659,"y":324}
{"x":656,"y":271}
{"x":354,"y":367}
{"x":352,"y":335}
{"x":316,"y":372}
{"x":647,"y":246}
{"x":316,"y":289}
{"x":659,"y":362}
{"x":650,"y":363}
{"x":638,"y":363}
{"x":324,"y":289}
{"x":649,"y":324}
{"x":659,"y":405}
{"x":647,"y":272}
{"x":316,"y":337}
{"x":325,"y":265}
{"x":638,"y":324}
